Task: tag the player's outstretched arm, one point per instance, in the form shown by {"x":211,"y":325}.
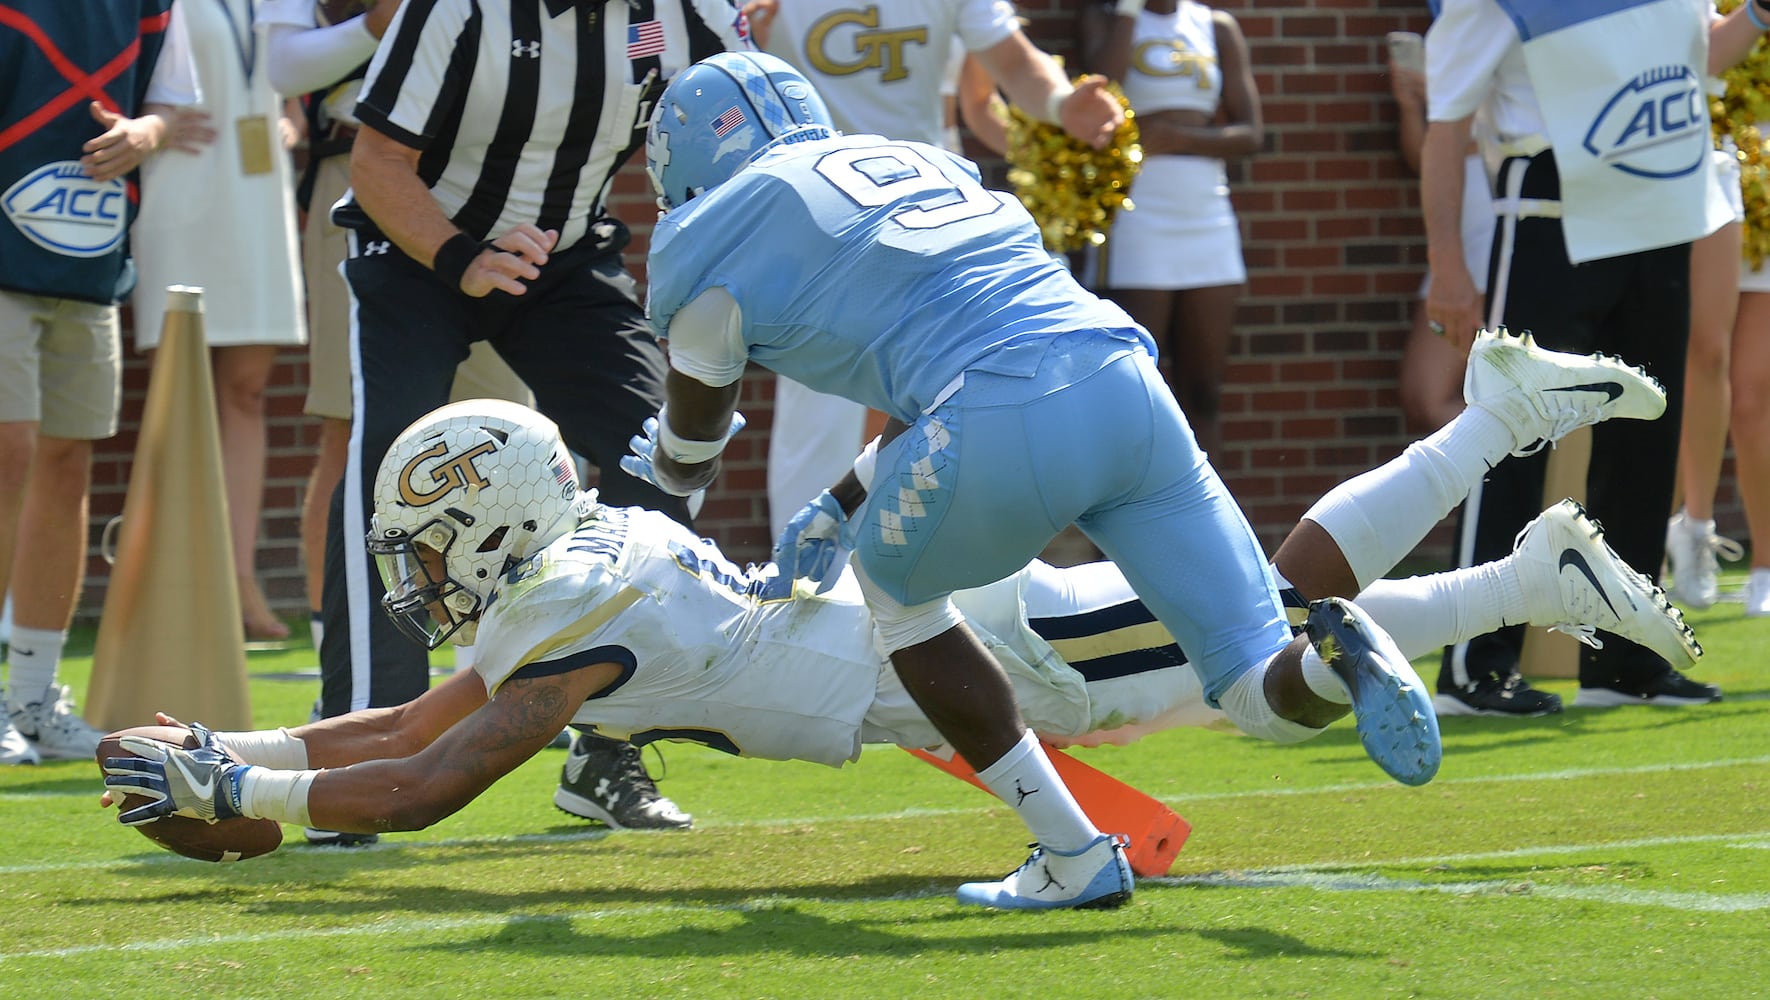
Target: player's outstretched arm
{"x":369,"y":734}
{"x":411,"y":793}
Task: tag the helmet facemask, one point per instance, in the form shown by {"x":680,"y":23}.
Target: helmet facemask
{"x":424,"y":601}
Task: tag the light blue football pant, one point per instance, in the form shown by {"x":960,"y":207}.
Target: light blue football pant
{"x":979,"y":485}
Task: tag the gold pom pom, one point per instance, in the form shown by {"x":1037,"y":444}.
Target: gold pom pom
{"x":1737,"y":115}
{"x":1072,"y":189}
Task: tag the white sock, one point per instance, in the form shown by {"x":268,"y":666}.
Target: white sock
{"x":1425,"y":613}
{"x":1024,"y":778}
{"x":34,"y":655}
{"x":1322,"y":679}
{"x":1381,"y":515}
{"x":316,"y":628}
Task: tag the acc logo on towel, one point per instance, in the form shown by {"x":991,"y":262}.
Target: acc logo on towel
{"x":64,"y":211}
{"x":1657,"y":126}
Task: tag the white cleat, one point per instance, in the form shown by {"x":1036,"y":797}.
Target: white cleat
{"x":1693,"y":550}
{"x":1097,"y":877}
{"x":1542,"y":395}
{"x":1574,"y":582}
{"x":14,"y":748}
{"x":1757,"y":594}
{"x":53,"y":727}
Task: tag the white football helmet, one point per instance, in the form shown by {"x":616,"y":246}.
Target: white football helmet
{"x":464,"y":494}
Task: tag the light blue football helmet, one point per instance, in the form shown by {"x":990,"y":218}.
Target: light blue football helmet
{"x":721,"y":113}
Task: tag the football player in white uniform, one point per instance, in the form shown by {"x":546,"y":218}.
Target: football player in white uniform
{"x":620,"y":619}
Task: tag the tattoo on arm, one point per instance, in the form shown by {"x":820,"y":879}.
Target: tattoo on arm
{"x":524,"y":709}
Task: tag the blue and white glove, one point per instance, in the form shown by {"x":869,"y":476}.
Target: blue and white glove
{"x":644,"y":445}
{"x":812,"y":547}
{"x":198,"y":784}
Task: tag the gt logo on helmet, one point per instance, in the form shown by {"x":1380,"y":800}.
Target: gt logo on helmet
{"x":452,"y":472}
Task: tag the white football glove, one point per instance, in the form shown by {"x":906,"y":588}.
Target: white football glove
{"x":198,"y":784}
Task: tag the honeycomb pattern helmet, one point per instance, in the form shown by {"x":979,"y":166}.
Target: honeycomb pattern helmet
{"x":721,"y":113}
{"x":465,"y":493}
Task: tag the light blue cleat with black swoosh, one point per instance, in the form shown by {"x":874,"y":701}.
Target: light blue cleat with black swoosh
{"x":1542,"y":394}
{"x":1574,"y":582}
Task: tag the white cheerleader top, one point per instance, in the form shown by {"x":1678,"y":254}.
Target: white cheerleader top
{"x":1174,"y":61}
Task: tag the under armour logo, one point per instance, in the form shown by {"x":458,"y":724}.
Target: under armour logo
{"x":374,"y":247}
{"x":518,"y":47}
{"x":607,"y":792}
{"x":1022,"y":792}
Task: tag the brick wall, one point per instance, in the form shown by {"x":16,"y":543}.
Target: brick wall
{"x":1335,"y":252}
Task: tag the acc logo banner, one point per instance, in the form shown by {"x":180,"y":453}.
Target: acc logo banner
{"x":454,"y":471}
{"x":64,"y":211}
{"x":1657,"y":126}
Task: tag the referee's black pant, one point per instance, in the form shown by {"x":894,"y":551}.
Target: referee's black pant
{"x":580,"y":340}
{"x":1635,"y":307}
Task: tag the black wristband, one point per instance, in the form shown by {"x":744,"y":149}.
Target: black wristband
{"x":454,"y":257}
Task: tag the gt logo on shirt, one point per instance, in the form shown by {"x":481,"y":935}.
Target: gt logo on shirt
{"x":452,"y":472}
{"x":1171,"y":57}
{"x":64,"y":211}
{"x":881,"y":50}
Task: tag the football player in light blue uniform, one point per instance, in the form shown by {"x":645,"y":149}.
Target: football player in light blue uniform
{"x":1019,"y":402}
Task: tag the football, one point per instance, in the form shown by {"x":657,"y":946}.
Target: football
{"x":228,"y":840}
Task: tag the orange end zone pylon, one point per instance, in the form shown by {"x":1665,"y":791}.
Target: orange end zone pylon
{"x":1157,"y":833}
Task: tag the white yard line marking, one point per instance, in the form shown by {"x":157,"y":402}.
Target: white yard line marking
{"x":406,"y":927}
{"x":1307,"y":877}
{"x":1701,"y":902}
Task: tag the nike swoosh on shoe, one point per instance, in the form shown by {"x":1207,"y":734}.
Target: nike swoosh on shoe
{"x":1577,"y":559}
{"x":1611,"y":390}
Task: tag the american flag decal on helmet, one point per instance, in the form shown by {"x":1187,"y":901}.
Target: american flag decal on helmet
{"x":564,"y":474}
{"x":728,"y":121}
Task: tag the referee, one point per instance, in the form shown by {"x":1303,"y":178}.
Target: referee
{"x":491,"y":131}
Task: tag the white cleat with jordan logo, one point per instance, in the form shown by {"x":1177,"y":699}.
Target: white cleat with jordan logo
{"x":1574,"y":582}
{"x":1097,"y":877}
{"x":1542,"y":395}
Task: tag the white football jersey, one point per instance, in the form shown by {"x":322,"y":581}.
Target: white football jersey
{"x":708,"y":659}
{"x":711,"y":659}
{"x":880,"y":66}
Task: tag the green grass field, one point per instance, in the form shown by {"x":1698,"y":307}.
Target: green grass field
{"x":1598,"y":853}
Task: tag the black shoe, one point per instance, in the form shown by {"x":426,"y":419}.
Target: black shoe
{"x":332,"y":838}
{"x":1510,"y":695}
{"x":605,"y":780}
{"x":1669,"y":688}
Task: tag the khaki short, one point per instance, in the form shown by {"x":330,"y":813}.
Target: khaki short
{"x":324,"y":246}
{"x":61,"y":366}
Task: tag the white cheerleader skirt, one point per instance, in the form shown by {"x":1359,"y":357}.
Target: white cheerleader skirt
{"x":1182,"y":232}
{"x":1726,"y":165}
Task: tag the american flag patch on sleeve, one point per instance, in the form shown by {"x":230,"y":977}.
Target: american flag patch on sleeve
{"x":645,"y":39}
{"x":728,"y":121}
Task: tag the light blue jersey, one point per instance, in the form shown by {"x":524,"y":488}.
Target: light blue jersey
{"x":874,"y":270}
{"x":884,"y":272}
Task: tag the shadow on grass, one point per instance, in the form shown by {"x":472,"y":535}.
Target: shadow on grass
{"x":787,"y":928}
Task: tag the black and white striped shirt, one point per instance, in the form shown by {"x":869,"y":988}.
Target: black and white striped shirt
{"x":524,"y":109}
